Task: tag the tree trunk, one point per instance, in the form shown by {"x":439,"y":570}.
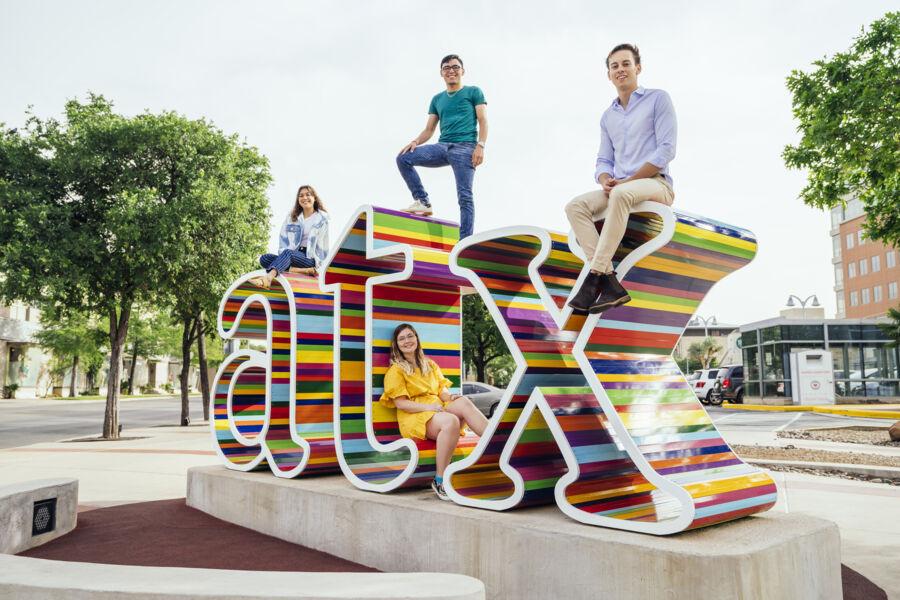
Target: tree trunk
{"x":204,"y":374}
{"x":72,"y":388}
{"x":118,"y":329}
{"x":187,"y":338}
{"x":131,"y":370}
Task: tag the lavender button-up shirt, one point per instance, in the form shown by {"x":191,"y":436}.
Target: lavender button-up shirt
{"x":644,"y":132}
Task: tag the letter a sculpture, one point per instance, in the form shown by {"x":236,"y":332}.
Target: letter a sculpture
{"x":597,"y":416}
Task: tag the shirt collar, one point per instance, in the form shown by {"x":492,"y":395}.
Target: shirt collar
{"x":639,"y":91}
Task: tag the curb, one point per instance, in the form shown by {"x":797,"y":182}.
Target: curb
{"x":866,"y":470}
{"x":893,"y":415}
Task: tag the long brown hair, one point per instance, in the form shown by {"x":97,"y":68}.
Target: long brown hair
{"x":317,"y":203}
{"x":397,"y":357}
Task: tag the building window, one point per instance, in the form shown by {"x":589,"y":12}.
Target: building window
{"x":866,"y":297}
{"x":854,"y":209}
{"x":836,"y":246}
{"x":840,"y":304}
{"x":838,"y":275}
{"x":859,"y":237}
{"x":876,"y":264}
{"x":849,"y":240}
{"x":876,"y":293}
{"x":851,"y":270}
{"x":854,"y":298}
{"x":892,"y":290}
{"x":890,"y":259}
{"x":863,"y":267}
{"x":837,"y":215}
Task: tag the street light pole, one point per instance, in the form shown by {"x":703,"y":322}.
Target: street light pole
{"x":815,"y":302}
{"x":707,"y":321}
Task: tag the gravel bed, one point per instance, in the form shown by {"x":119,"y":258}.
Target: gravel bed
{"x":877,"y":436}
{"x":832,"y":473}
{"x":793,"y":453}
{"x":824,"y":456}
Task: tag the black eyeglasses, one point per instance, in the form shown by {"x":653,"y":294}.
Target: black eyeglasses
{"x":448,"y":68}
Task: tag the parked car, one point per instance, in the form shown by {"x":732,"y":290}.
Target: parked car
{"x":729,"y":385}
{"x":485,"y":397}
{"x":702,"y":383}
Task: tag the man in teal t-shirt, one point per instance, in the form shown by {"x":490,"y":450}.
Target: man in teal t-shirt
{"x":462,"y":114}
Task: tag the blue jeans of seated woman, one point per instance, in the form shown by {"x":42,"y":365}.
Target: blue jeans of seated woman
{"x":459,"y":157}
{"x":286,"y":259}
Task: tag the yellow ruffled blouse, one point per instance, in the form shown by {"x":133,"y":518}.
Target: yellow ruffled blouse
{"x":421,"y":389}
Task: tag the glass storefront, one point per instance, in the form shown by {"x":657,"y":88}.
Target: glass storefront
{"x":863,"y":362}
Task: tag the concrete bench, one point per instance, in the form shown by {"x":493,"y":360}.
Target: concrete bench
{"x":34,"y":512}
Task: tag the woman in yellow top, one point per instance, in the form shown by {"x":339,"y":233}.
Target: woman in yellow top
{"x":415,"y":385}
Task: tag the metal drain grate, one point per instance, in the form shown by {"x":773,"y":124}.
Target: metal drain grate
{"x":44,"y":517}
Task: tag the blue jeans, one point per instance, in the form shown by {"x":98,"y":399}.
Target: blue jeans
{"x":459,"y":157}
{"x":286,"y":259}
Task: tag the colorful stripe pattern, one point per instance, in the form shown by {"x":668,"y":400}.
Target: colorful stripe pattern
{"x":390,"y":268}
{"x":285,"y":399}
{"x":599,"y":416}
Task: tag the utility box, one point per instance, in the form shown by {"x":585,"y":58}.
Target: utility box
{"x":812,"y":377}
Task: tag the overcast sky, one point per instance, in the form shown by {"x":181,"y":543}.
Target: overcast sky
{"x":330,"y":91}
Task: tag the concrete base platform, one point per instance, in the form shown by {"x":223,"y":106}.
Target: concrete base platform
{"x":534,"y":553}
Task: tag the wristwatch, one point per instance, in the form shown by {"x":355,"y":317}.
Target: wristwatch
{"x":479,"y":144}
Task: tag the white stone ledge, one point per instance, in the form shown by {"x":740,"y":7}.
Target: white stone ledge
{"x":534,"y":553}
{"x":17,"y":511}
{"x":36,"y":579}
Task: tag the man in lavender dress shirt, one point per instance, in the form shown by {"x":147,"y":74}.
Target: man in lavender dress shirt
{"x":637,"y":143}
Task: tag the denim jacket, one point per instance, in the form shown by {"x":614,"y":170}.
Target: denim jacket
{"x":292,"y":233}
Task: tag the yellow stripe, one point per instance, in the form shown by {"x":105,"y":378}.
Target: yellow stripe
{"x":709,"y":488}
{"x":431,"y":256}
{"x":666,"y":265}
{"x":719,"y":238}
{"x":677,"y":308}
{"x":415,"y":235}
{"x":639,"y":377}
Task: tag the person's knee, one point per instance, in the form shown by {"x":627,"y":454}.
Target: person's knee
{"x":403,"y":159}
{"x":450,"y":422}
{"x":621,"y":195}
{"x":575,"y":208}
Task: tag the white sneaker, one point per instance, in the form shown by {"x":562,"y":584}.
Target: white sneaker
{"x":418,"y":208}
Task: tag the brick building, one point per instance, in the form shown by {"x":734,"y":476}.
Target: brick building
{"x":866,"y":272}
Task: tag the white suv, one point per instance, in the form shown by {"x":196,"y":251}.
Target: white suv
{"x":702,"y":383}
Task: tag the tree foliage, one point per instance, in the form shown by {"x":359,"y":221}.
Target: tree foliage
{"x":892,"y":328}
{"x":482,"y":342}
{"x":705,"y":352}
{"x":848,"y":108}
{"x":76,"y":339}
{"x":100,"y":210}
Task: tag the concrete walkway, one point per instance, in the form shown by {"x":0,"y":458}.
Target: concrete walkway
{"x":155,"y":466}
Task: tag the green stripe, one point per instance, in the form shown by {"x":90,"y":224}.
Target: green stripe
{"x":711,"y":245}
{"x":663,"y":298}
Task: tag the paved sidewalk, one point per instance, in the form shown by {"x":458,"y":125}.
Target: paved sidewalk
{"x":155,"y":467}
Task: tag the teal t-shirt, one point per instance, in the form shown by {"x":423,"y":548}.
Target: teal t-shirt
{"x":456,"y":114}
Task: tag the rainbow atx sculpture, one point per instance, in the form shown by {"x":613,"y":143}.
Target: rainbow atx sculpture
{"x":597,"y":416}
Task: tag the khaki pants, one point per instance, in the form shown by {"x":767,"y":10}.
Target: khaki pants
{"x":582,"y":211}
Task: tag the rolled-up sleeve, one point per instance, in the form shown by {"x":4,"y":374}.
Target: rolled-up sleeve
{"x":666,"y":130}
{"x":605,"y":155}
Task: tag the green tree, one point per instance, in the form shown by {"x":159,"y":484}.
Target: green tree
{"x":892,"y":329}
{"x":482,"y":342}
{"x":76,"y":338}
{"x":228,"y":228}
{"x":99,"y":211}
{"x":848,"y":114}
{"x":705,"y":352}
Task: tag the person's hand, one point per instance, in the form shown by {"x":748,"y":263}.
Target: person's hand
{"x":409,"y":147}
{"x":477,"y":156}
{"x":609,"y":184}
{"x":437,"y":407}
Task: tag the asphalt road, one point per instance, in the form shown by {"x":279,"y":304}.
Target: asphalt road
{"x":24,"y":422}
{"x":727,"y":419}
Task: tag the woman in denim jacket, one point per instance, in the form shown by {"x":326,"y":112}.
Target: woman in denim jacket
{"x":303,"y":241}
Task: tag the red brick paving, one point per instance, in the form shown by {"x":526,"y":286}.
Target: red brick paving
{"x":167,"y":533}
